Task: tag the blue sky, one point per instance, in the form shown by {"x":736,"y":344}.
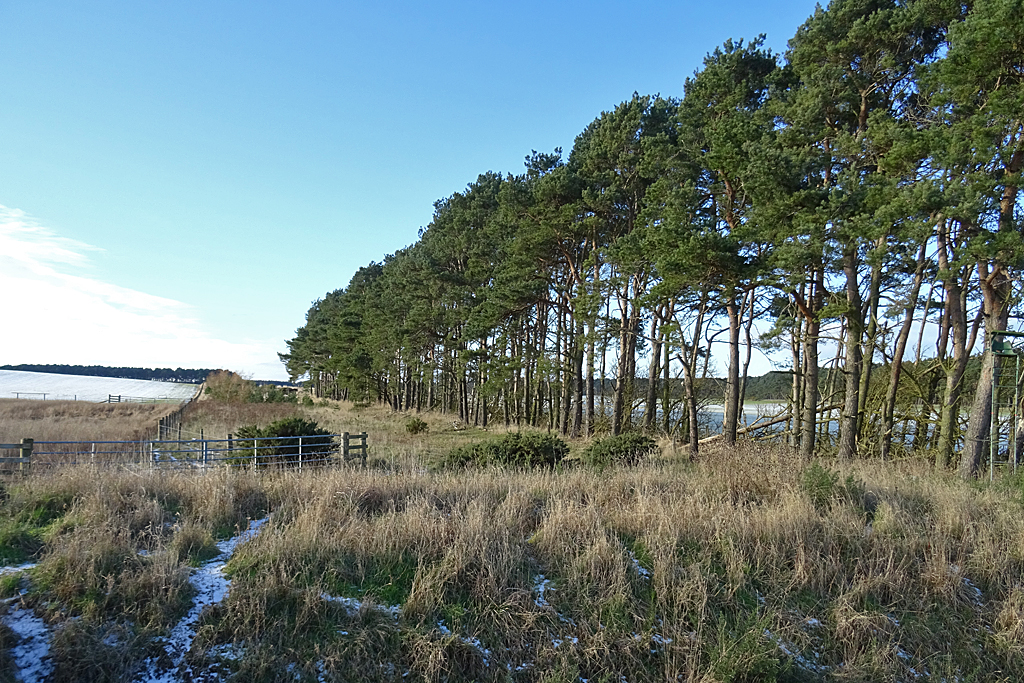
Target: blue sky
{"x":179,"y":181}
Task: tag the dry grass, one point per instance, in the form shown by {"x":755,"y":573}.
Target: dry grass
{"x":744,"y":566}
{"x":79,"y":420}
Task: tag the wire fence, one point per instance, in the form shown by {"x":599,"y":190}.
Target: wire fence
{"x":294,"y":452}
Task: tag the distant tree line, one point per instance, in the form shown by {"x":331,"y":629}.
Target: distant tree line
{"x":183,"y":375}
{"x":860,"y":189}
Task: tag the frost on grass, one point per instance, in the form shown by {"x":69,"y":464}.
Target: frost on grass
{"x":641,"y":570}
{"x":211,"y":588}
{"x":790,"y":650}
{"x":353,"y":605}
{"x":32,"y":653}
{"x":541,"y":584}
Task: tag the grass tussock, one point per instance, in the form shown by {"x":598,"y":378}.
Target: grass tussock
{"x":743,"y":566}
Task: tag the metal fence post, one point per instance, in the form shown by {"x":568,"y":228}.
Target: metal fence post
{"x":300,"y":453}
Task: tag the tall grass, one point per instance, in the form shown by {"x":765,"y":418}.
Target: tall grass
{"x":741,"y":567}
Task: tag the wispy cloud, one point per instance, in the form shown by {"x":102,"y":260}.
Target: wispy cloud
{"x":56,"y":311}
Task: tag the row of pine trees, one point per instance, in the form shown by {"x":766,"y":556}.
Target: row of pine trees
{"x":858,"y":193}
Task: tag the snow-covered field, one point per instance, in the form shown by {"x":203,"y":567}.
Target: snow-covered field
{"x":36,"y":385}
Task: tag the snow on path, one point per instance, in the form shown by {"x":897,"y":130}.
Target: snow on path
{"x":15,"y":570}
{"x":32,"y":653}
{"x":211,"y":587}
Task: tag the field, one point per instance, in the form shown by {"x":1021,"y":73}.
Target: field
{"x":78,"y":420}
{"x":746,"y":565}
{"x":85,"y":388}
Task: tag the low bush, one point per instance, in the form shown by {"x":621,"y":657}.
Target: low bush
{"x":284,"y":449}
{"x":415,"y":425}
{"x":230,"y":387}
{"x":624,"y":449}
{"x":823,"y":487}
{"x":515,"y":449}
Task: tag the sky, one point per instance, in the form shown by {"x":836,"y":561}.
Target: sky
{"x":180,"y":181}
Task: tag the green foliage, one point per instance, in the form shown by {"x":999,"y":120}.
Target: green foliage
{"x":515,"y":449}
{"x":820,"y":484}
{"x":284,"y":449}
{"x":415,"y":425}
{"x":823,"y":487}
{"x":270,"y":393}
{"x":625,"y":449}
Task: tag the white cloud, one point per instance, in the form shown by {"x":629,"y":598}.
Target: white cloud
{"x":54,"y":311}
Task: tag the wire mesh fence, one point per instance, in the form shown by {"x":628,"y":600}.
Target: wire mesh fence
{"x":257,"y":453}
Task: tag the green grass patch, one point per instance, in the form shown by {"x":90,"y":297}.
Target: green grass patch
{"x":26,"y":525}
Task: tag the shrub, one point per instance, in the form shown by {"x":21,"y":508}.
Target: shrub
{"x":624,"y":449}
{"x":515,"y":449}
{"x":822,"y":486}
{"x":227,"y":386}
{"x":270,"y":393}
{"x":415,"y":425}
{"x":284,"y":451}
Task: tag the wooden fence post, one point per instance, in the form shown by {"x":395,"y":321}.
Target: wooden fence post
{"x":344,"y":446}
{"x":363,"y":435}
{"x":26,"y":454}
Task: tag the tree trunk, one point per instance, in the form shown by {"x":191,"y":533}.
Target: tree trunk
{"x":995,"y":287}
{"x":848,"y":427}
{"x":651,"y":402}
{"x":732,"y":382}
{"x":897,"y":358}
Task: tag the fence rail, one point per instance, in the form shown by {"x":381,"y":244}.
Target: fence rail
{"x":119,"y":398}
{"x":24,"y":460}
{"x":177,"y":454}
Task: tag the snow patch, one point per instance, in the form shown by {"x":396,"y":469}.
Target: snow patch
{"x":541,"y":584}
{"x":32,"y":653}
{"x":14,"y":570}
{"x":353,"y":605}
{"x":640,"y":569}
{"x":211,"y":588}
{"x":790,"y":650}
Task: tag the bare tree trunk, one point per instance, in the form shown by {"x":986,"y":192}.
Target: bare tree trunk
{"x":577,"y":352}
{"x":848,"y":427}
{"x":732,"y":382}
{"x":691,"y":406}
{"x":618,"y":405}
{"x":749,"y":348}
{"x":810,"y":310}
{"x":871,"y":333}
{"x":901,"y":347}
{"x":651,"y":402}
{"x":796,"y":343}
{"x":995,"y":287}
